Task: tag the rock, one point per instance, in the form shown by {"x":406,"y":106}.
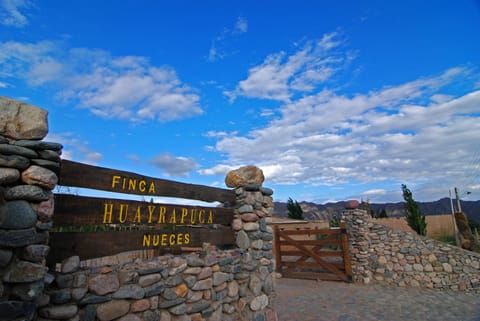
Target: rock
{"x":35,"y":252}
{"x":112,"y":310}
{"x":244,"y":176}
{"x":149,"y":279}
{"x":20,"y":238}
{"x":18,"y":215}
{"x":14,"y":161}
{"x":140,"y":305}
{"x":5,"y":257}
{"x":130,"y":317}
{"x":70,"y":264}
{"x":22,"y":121}
{"x":40,"y":145}
{"x":203,"y":285}
{"x":259,"y":303}
{"x":23,"y":271}
{"x":53,"y":166}
{"x":45,"y":209}
{"x":36,"y":175}
{"x":13,"y":310}
{"x":130,"y":291}
{"x":29,"y":193}
{"x":103,"y":284}
{"x":251,"y":226}
{"x":352,"y":205}
{"x":7,"y":149}
{"x":9,"y":175}
{"x":49,"y":155}
{"x":60,"y":296}
{"x":220,"y":277}
{"x":27,"y":291}
{"x":242,"y":240}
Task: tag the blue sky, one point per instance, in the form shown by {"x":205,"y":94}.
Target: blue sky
{"x":333,"y":100}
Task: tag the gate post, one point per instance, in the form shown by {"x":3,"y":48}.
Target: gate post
{"x":254,"y":238}
{"x":28,"y":168}
{"x":358,"y":228}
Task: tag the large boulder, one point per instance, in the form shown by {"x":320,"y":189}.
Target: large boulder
{"x":22,"y":121}
{"x":247,"y":175}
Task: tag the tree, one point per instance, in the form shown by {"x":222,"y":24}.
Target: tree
{"x":294,"y":210}
{"x":383,"y":213}
{"x":414,"y":217}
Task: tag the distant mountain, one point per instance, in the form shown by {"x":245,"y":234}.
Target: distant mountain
{"x":313,"y":211}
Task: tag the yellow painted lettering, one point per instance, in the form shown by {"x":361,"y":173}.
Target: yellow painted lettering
{"x":184,"y":214}
{"x":164,"y":239}
{"x":179,"y":239}
{"x":186,"y":238}
{"x":201,"y":216}
{"x":115,"y":180}
{"x":142,"y":186}
{"x":146,"y":239}
{"x":124,"y":183}
{"x":172,"y":239}
{"x":161,"y":216}
{"x":107,"y":213}
{"x":132,"y":184}
{"x":121,"y":217}
{"x":137,"y":218}
{"x":151,"y":210}
{"x":193,"y":215}
{"x":151,"y":189}
{"x":210,"y":217}
{"x":173,"y":217}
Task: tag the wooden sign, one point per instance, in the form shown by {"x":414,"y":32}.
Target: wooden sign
{"x":81,"y":175}
{"x":89,"y":245}
{"x":73,"y":210}
{"x":163,"y":227}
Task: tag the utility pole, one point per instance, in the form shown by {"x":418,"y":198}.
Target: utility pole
{"x":455,"y":227}
{"x":451,"y":201}
{"x":458,"y":200}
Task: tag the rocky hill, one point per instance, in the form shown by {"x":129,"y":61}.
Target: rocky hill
{"x":313,"y":211}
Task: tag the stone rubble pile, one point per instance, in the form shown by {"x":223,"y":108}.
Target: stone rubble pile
{"x":28,"y":174}
{"x":385,"y":255}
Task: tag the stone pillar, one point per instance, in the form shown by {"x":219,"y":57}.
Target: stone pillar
{"x":358,"y":227}
{"x":254,"y":238}
{"x":28,"y":168}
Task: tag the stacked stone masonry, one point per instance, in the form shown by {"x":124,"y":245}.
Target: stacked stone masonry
{"x":234,"y":284}
{"x":28,"y":168}
{"x":385,"y":255}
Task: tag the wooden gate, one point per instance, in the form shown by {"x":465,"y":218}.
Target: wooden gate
{"x":321,"y":254}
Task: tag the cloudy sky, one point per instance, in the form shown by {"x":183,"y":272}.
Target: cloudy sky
{"x":333,"y":100}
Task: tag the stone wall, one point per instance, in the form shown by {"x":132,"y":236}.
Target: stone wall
{"x":385,"y":255}
{"x":28,"y":169}
{"x":234,"y":284}
{"x":213,"y":284}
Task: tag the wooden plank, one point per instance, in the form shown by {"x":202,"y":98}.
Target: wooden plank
{"x":320,"y":243}
{"x":89,"y":245}
{"x":310,"y":276}
{"x":82,"y":175}
{"x":310,"y":265}
{"x":71,"y":210}
{"x":346,"y":252}
{"x":321,"y":253}
{"x":278,"y":253}
{"x":311,"y":232}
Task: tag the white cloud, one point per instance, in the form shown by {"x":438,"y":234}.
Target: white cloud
{"x":280,"y":76}
{"x":396,"y":133}
{"x":11,"y":15}
{"x":174,"y":166}
{"x":75,"y":148}
{"x":219,"y":48}
{"x":241,"y":25}
{"x":125,"y":87}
